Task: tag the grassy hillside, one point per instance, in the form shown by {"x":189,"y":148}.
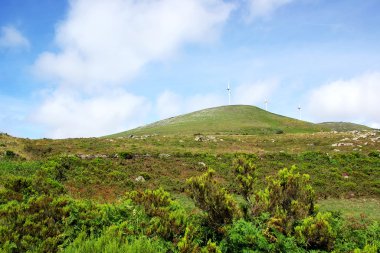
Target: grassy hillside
{"x":138,"y":193}
{"x":344,"y":126}
{"x":235,"y":119}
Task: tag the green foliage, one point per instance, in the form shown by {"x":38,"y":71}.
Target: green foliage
{"x":115,"y":243}
{"x":244,"y":236}
{"x":125,"y":155}
{"x":9,"y":154}
{"x":357,"y":233}
{"x":168,"y":219}
{"x":316,"y":232}
{"x":288,"y":197}
{"x":189,"y":243}
{"x":245,"y":176}
{"x":220,"y":206}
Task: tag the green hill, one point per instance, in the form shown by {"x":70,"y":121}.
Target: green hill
{"x":344,"y":126}
{"x":235,"y":119}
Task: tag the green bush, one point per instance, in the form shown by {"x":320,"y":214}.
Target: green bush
{"x":316,"y":232}
{"x":9,"y":154}
{"x":125,"y":155}
{"x":219,"y":205}
{"x":244,"y":236}
{"x":111,"y":243}
{"x":168,"y":219}
{"x":245,"y":176}
{"x":288,"y":197}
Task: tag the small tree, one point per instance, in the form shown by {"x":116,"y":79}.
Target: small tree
{"x":219,"y":205}
{"x":245,"y":176}
{"x":288,"y":197}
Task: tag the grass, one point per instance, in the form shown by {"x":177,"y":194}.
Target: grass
{"x":235,"y":119}
{"x":344,"y":126}
{"x":369,"y":207}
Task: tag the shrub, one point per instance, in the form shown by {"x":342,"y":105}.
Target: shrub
{"x":125,"y":155}
{"x":288,"y":197}
{"x":167,"y":218}
{"x":220,"y":206}
{"x":316,"y":232}
{"x":243,"y":236}
{"x":111,"y":243}
{"x":245,"y":176}
{"x":9,"y":154}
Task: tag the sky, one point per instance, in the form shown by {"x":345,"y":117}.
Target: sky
{"x":87,"y":68}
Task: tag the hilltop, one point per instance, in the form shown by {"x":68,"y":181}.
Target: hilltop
{"x":234,"y":119}
{"x":344,"y":126}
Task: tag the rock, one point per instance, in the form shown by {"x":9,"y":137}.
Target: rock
{"x":202,"y":164}
{"x":163,"y":155}
{"x":342,"y":144}
{"x":199,"y":138}
{"x":336,"y":150}
{"x":140,"y":179}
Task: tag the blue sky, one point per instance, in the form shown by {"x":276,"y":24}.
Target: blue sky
{"x":91,"y":67}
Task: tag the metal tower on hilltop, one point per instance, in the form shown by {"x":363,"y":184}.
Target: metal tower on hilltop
{"x":266,"y":104}
{"x":229,"y":93}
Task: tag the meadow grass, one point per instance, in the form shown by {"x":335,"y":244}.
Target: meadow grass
{"x":355,"y":207}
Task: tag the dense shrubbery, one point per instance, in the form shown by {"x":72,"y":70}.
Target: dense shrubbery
{"x":37,"y":215}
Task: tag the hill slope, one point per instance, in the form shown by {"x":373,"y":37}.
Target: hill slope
{"x":344,"y":126}
{"x":235,"y":119}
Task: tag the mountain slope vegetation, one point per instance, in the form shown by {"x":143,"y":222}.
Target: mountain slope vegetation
{"x":344,"y":126}
{"x":234,"y":119}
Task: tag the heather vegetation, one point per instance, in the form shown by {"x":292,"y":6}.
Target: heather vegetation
{"x":271,"y":193}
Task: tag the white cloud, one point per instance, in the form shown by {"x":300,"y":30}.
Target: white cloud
{"x":66,"y":114}
{"x":355,"y":100}
{"x":170,"y":104}
{"x":264,"y":8}
{"x":10,"y":37}
{"x":108,"y":42}
{"x":102,"y":45}
{"x":254,"y":93}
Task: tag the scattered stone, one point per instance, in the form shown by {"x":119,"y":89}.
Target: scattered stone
{"x":140,"y":179}
{"x":163,"y":155}
{"x":345,"y":175}
{"x":84,"y":156}
{"x":202,"y":164}
{"x":342,"y":144}
{"x":199,"y":138}
{"x":336,"y":150}
{"x":205,"y":138}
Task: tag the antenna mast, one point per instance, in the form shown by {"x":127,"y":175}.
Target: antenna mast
{"x":266,"y":104}
{"x":229,"y":93}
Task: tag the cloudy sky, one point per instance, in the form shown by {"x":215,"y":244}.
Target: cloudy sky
{"x":79,"y":68}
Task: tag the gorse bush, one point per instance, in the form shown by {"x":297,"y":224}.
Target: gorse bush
{"x":37,"y":215}
{"x":218,"y":204}
{"x":317,"y":232}
{"x":288,"y":197}
{"x":245,"y":176}
{"x":168,"y":220}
